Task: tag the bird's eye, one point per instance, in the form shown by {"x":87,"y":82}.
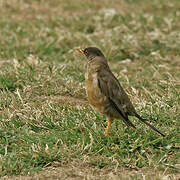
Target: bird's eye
{"x":86,"y":52}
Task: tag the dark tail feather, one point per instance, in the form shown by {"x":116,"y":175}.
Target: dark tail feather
{"x":151,"y":126}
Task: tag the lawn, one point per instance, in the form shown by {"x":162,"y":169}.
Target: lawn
{"x":45,"y":119}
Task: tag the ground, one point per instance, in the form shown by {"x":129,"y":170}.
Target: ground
{"x":78,"y":171}
{"x":47,"y":128}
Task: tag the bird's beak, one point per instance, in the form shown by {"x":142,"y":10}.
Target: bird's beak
{"x":80,"y":50}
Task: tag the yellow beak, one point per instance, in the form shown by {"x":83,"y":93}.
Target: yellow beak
{"x":80,"y":50}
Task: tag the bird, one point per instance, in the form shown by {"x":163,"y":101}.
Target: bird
{"x":104,"y":92}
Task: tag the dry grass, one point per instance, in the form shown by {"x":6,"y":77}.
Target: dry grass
{"x":80,"y":171}
{"x":45,"y":118}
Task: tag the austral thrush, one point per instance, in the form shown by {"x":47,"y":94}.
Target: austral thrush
{"x":105,"y":93}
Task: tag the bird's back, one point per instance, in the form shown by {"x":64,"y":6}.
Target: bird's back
{"x":102,"y":86}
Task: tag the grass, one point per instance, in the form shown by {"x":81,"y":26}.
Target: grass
{"x":44,"y":115}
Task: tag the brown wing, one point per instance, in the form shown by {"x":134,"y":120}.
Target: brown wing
{"x":112,"y":89}
{"x":118,"y":98}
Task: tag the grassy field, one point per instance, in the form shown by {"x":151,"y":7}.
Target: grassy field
{"x":45,"y":119}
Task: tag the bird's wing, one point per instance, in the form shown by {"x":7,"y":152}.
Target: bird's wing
{"x":112,"y":89}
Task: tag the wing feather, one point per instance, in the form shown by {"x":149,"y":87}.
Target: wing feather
{"x":111,"y":88}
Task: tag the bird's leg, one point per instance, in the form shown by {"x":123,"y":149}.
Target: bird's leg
{"x":106,"y":133}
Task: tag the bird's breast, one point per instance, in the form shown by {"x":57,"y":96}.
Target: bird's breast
{"x":95,"y":97}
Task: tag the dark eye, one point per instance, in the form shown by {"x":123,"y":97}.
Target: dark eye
{"x":86,"y":52}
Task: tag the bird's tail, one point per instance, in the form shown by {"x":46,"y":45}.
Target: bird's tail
{"x":151,"y":126}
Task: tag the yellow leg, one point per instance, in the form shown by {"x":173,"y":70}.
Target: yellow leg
{"x":106,"y":133}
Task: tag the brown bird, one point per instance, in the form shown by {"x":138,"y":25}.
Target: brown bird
{"x":105,"y":94}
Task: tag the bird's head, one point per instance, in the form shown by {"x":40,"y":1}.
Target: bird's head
{"x":91,"y":52}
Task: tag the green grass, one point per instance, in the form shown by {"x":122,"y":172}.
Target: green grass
{"x":44,"y":114}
